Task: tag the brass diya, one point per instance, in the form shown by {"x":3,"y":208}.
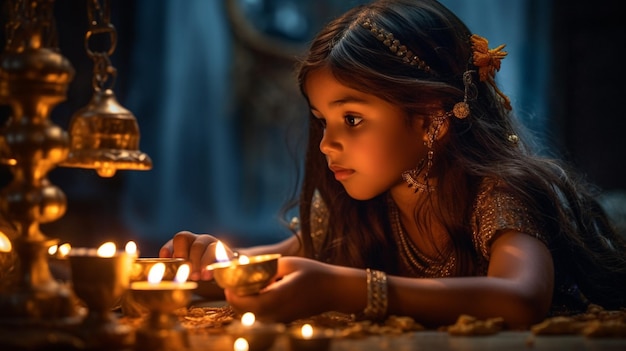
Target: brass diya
{"x":161,"y":330}
{"x":258,"y":336}
{"x":307,"y":338}
{"x":245,"y":275}
{"x":99,"y":282}
{"x":139,"y":272}
{"x":141,"y":267}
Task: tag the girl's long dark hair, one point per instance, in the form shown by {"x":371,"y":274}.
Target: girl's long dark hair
{"x":475,"y":148}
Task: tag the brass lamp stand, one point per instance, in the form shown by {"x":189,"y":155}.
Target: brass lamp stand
{"x":34,"y":78}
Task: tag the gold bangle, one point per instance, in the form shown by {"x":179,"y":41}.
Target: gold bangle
{"x":376,"y":308}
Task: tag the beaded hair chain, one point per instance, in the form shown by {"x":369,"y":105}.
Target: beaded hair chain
{"x":395,"y":46}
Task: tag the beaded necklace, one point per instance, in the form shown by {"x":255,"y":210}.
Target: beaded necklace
{"x":416,"y":262}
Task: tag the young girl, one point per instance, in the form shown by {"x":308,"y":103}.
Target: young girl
{"x":420,"y":197}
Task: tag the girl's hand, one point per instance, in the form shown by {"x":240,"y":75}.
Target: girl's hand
{"x":302,"y":288}
{"x":199,"y":249}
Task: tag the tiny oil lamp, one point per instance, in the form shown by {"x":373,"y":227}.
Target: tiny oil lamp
{"x":161,"y":329}
{"x":59,"y":252}
{"x":5,"y":243}
{"x":131,"y":249}
{"x":241,"y":344}
{"x":258,"y":336}
{"x":8,"y":261}
{"x":140,"y":269}
{"x":307,"y":338}
{"x":64,"y":250}
{"x":99,"y":278}
{"x":244,"y":275}
{"x":58,"y":261}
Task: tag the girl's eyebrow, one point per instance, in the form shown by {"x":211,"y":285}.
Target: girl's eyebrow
{"x":342,"y":101}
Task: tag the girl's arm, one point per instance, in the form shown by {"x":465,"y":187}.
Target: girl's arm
{"x":518,"y":288}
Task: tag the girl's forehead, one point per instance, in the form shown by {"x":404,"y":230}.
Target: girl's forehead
{"x":322,"y":86}
{"x":318,"y":78}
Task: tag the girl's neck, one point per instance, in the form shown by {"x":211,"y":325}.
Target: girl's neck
{"x":406,"y":199}
{"x":435,"y":240}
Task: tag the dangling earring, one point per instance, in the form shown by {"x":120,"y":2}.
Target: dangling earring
{"x":412,"y":176}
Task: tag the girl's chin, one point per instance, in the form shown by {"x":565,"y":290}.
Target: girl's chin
{"x":360,"y":195}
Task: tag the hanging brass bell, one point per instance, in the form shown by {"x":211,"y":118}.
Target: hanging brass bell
{"x":105,"y":136}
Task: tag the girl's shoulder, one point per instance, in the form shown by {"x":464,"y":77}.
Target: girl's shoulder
{"x":498,"y":208}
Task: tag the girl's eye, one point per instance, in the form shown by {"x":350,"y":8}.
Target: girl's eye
{"x":352,"y":120}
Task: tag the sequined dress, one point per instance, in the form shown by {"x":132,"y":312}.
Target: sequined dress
{"x":494,"y":211}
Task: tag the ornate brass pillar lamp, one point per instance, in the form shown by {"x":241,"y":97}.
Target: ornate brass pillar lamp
{"x":34,"y":78}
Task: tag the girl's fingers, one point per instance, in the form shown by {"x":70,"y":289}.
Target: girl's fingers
{"x":167,"y":249}
{"x":181,"y":243}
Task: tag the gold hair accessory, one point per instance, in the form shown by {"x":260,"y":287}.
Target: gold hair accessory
{"x":395,"y":46}
{"x":462,"y":109}
{"x":488,"y":63}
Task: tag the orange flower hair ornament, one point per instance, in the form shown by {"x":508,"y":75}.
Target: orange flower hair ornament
{"x":488,"y":63}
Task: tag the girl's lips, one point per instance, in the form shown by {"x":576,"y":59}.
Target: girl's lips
{"x":341,"y":173}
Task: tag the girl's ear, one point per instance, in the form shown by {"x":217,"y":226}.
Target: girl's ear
{"x":438,"y":126}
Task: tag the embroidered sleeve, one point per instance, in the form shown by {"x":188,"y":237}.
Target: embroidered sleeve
{"x":319,"y":221}
{"x":497,"y":209}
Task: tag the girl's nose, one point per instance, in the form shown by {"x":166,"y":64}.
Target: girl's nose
{"x":329,"y":142}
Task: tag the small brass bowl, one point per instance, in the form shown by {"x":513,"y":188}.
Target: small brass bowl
{"x":139,"y":272}
{"x":319,"y":340}
{"x":260,"y":337}
{"x":246,"y":278}
{"x":141,"y":267}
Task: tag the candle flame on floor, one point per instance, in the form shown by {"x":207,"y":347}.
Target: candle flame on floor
{"x":307,"y":331}
{"x":64,"y":250}
{"x":131,"y":248}
{"x":241,"y":344}
{"x":248,"y":319}
{"x":107,"y":249}
{"x":5,"y":243}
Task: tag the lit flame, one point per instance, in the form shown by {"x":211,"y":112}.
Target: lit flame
{"x":64,"y":250}
{"x":60,"y":251}
{"x":131,"y":248}
{"x":107,"y":250}
{"x":241,"y":344}
{"x":248,"y":319}
{"x":182,"y":273}
{"x":5,"y":243}
{"x":307,"y":331}
{"x":220,"y":252}
{"x":156,"y":273}
{"x":243,"y":259}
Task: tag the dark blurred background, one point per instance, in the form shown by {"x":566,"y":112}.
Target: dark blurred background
{"x":211,"y":85}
